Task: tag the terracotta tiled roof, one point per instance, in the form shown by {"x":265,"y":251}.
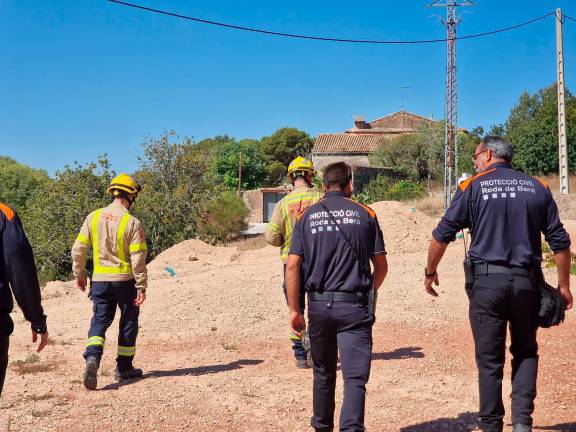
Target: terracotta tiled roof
{"x":398,"y":122}
{"x":348,"y":143}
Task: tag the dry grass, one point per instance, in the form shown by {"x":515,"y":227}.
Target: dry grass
{"x":32,"y":365}
{"x":431,"y":205}
{"x":59,"y":342}
{"x":36,"y":398}
{"x":228,"y":346}
{"x":252,"y":243}
{"x":56,"y":294}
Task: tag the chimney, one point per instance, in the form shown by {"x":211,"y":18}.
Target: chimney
{"x":360,"y":122}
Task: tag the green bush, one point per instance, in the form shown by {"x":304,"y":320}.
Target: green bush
{"x":176,"y":187}
{"x":223,"y":218}
{"x":19,"y":183}
{"x":375,"y":190}
{"x":406,"y":190}
{"x":382,"y":188}
{"x":53,"y":217}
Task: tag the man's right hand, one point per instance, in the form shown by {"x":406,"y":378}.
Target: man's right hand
{"x":43,"y":339}
{"x":81,"y":283}
{"x":567,"y":296}
{"x":428,"y":281}
{"x":297,"y":322}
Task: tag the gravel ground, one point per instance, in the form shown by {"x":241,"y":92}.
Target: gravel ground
{"x":214,"y":346}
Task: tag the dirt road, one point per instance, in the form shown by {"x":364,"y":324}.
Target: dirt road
{"x":214,"y":346}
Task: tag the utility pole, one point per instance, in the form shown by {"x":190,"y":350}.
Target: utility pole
{"x":562,"y":145}
{"x":240,"y":173}
{"x":451,"y":109}
{"x":402,"y":96}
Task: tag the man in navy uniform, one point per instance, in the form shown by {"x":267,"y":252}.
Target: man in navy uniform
{"x":335,"y":239}
{"x":508,"y":211}
{"x":17,"y":274}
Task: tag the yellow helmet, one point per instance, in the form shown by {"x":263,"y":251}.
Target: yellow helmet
{"x":124,"y":182}
{"x":300,"y":166}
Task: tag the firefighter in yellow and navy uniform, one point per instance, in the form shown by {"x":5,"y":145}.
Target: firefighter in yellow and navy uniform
{"x":119,"y":278}
{"x":279,"y":230}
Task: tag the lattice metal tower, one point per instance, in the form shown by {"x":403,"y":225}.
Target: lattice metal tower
{"x":451,"y":109}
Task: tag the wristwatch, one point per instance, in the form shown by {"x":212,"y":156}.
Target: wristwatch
{"x":427,"y":274}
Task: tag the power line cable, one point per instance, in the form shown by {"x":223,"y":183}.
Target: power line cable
{"x":328,"y":39}
{"x":569,"y":17}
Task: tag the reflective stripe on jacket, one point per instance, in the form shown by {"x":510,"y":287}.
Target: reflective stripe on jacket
{"x":118,"y":246}
{"x":279,"y":229}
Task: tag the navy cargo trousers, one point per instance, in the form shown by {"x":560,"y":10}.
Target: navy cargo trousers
{"x":107,"y":296}
{"x":498,"y":301}
{"x":346,"y":329}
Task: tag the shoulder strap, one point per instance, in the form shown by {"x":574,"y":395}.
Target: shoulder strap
{"x":471,"y":212}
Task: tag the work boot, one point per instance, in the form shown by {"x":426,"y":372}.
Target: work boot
{"x":91,"y":373}
{"x":521,"y":428}
{"x":302,"y":363}
{"x":128,"y":374}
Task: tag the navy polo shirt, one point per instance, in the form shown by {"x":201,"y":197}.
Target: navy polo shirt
{"x":329,"y":263}
{"x":511,"y":210}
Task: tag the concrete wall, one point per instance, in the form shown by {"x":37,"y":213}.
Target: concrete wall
{"x":254,"y":202}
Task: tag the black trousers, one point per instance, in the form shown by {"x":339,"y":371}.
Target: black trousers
{"x":344,"y":328}
{"x":496,"y":301}
{"x":4,"y":344}
{"x":6,"y":328}
{"x":107,"y":296}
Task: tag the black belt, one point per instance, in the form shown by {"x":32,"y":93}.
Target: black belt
{"x":337,"y":296}
{"x":486,"y":269}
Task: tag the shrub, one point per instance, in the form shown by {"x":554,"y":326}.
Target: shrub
{"x":223,"y":218}
{"x":405,"y":190}
{"x":53,"y":217}
{"x":377,"y":188}
{"x":381,"y":188}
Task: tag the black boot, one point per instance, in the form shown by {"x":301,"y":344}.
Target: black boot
{"x":128,"y":374}
{"x":91,"y":373}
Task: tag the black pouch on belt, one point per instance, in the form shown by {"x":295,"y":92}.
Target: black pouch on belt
{"x":468,"y":274}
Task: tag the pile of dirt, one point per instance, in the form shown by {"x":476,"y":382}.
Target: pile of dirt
{"x":190,"y":256}
{"x":57,"y":289}
{"x":405,"y":229}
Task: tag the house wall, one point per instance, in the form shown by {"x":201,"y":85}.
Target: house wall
{"x":321,"y":160}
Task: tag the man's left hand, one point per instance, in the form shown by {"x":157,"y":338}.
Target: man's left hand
{"x":297,"y":322}
{"x":428,"y":281}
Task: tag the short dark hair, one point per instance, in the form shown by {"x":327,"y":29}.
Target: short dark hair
{"x":500,"y":147}
{"x":337,"y":174}
{"x":122,"y":194}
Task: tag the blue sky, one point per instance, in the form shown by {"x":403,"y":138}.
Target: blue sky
{"x":83,"y":78}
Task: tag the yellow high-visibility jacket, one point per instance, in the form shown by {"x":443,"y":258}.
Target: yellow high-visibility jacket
{"x":279,"y":229}
{"x":118,"y":246}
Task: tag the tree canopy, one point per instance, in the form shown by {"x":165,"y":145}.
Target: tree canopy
{"x":532,"y":127}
